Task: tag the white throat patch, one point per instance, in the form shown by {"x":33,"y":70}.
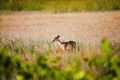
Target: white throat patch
{"x":61,"y":45}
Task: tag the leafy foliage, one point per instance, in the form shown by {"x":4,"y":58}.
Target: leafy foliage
{"x":107,"y":66}
{"x":60,"y":6}
{"x":41,"y":69}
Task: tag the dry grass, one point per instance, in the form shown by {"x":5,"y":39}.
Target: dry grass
{"x":85,"y":27}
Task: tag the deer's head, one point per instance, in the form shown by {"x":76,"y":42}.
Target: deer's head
{"x":56,"y":38}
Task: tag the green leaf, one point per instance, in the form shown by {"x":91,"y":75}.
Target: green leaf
{"x":79,"y":75}
{"x":106,"y":47}
{"x":19,"y":77}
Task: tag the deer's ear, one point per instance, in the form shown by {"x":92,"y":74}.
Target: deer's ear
{"x":58,"y":36}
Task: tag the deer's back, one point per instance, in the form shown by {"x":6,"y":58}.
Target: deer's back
{"x":69,"y":45}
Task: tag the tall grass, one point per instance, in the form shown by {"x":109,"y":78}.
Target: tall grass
{"x":60,"y":6}
{"x":28,"y":50}
{"x":96,"y":67}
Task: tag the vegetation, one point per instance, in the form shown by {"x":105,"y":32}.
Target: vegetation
{"x":0,"y":20}
{"x":100,"y":67}
{"x":60,"y":6}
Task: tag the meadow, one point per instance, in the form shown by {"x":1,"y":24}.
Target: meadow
{"x":27,"y":51}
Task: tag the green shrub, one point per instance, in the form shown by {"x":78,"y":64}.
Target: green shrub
{"x":106,"y":67}
{"x":60,"y":6}
{"x":41,"y":69}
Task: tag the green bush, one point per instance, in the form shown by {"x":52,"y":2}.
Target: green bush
{"x":106,"y":67}
{"x":60,"y":6}
{"x":44,"y":69}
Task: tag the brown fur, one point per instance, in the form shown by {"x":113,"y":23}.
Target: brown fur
{"x":66,"y":45}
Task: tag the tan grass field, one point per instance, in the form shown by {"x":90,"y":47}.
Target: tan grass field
{"x":85,"y":27}
{"x":88,"y":28}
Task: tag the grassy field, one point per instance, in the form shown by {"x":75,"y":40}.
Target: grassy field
{"x":60,"y":6}
{"x":86,"y":27}
{"x":27,"y":51}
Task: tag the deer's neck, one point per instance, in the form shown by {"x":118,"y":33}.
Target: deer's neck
{"x":61,"y":45}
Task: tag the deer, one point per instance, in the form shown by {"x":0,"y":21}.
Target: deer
{"x":65,"y":46}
